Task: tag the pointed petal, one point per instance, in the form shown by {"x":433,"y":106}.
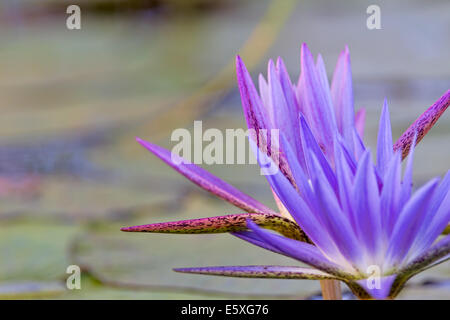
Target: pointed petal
{"x":358,"y":145}
{"x":206,"y":180}
{"x":301,"y":180}
{"x":436,"y":253}
{"x":265,"y":98}
{"x":344,"y":175}
{"x":342,"y":95}
{"x":323,"y":79}
{"x":277,"y":99}
{"x":423,"y":124}
{"x":287,"y":87}
{"x":331,"y":215}
{"x":251,"y":101}
{"x":390,"y":195}
{"x":309,"y":142}
{"x":297,"y":207}
{"x":340,"y":229}
{"x":317,"y":110}
{"x":222,"y":224}
{"x":384,"y":143}
{"x":254,"y":239}
{"x":292,"y":111}
{"x":360,"y":121}
{"x":266,"y":272}
{"x":442,"y":192}
{"x":283,"y":103}
{"x":256,"y":114}
{"x":436,"y":220}
{"x":348,"y":155}
{"x":408,"y":223}
{"x":366,"y":204}
{"x":379,"y":288}
{"x":301,"y":251}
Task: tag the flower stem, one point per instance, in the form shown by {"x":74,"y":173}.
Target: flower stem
{"x":331,"y":289}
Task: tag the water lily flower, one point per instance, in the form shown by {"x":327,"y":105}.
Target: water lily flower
{"x":349,"y":219}
{"x":362,"y":230}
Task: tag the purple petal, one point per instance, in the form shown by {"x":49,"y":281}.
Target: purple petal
{"x":301,"y":251}
{"x":251,"y":101}
{"x":437,"y":253}
{"x":409,"y":221}
{"x":316,"y":107}
{"x":348,"y":156}
{"x":270,"y":272}
{"x":254,"y":239}
{"x":309,"y":142}
{"x":422,"y":125}
{"x":222,"y":224}
{"x":442,"y":192}
{"x":277,"y":99}
{"x":287,"y":88}
{"x":344,"y":175}
{"x":390,"y":194}
{"x":437,"y":219}
{"x":299,"y":210}
{"x":301,"y":180}
{"x":366,"y":204}
{"x":206,"y":180}
{"x":342,"y":95}
{"x":292,"y":111}
{"x":256,"y":114}
{"x":265,"y":98}
{"x":358,"y":145}
{"x":323,"y":79}
{"x":384,"y":143}
{"x":283,"y":104}
{"x":333,"y":218}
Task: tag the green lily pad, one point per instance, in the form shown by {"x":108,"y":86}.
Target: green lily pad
{"x":34,"y":252}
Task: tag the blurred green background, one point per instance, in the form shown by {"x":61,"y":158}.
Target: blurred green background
{"x":72,"y":101}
